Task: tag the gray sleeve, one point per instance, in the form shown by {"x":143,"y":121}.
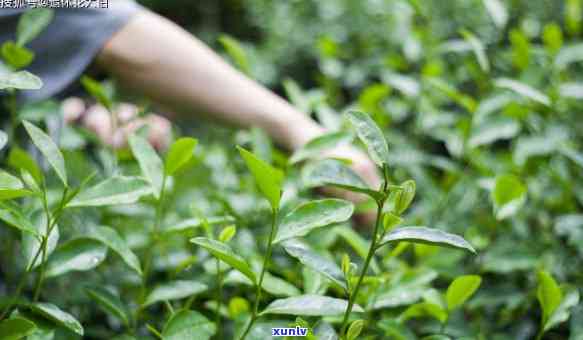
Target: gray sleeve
{"x":69,"y":44}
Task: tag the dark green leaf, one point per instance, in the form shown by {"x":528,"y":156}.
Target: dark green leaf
{"x":109,"y":302}
{"x":508,"y":195}
{"x":97,"y":91}
{"x":188,"y":325}
{"x":224,"y":253}
{"x":271,"y":284}
{"x":427,"y":236}
{"x":11,"y":187}
{"x":311,"y":215}
{"x":53,"y":313}
{"x":175,"y":290}
{"x":236,"y":52}
{"x":76,"y":255}
{"x":112,"y":191}
{"x":16,"y":328}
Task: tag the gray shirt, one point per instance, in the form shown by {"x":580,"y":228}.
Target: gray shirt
{"x":69,"y":44}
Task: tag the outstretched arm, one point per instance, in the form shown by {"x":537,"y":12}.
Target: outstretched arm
{"x":158,"y":58}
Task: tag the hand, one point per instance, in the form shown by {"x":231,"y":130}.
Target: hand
{"x":98,"y":120}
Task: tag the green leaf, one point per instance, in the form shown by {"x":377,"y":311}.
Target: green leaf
{"x":16,"y":56}
{"x":390,"y":221}
{"x":355,"y":329}
{"x":113,"y":241}
{"x":523,"y":90}
{"x":563,"y":311}
{"x":553,"y":37}
{"x":76,"y":255}
{"x":549,"y":295}
{"x":16,"y":328}
{"x":331,"y":172}
{"x":150,"y":162}
{"x":21,"y":80}
{"x":424,"y":309}
{"x":400,"y":199}
{"x":32,"y":23}
{"x":53,"y":313}
{"x":461,"y":289}
{"x":19,"y":159}
{"x":191,"y":224}
{"x":271,"y":284}
{"x":269,"y":180}
{"x":426,"y":236}
{"x":11,"y":187}
{"x":236,"y":52}
{"x":174,"y":290}
{"x":112,"y":191}
{"x":520,"y":49}
{"x":3,"y":139}
{"x":180,"y":153}
{"x":224,"y":253}
{"x":492,"y":131}
{"x":317,"y":146}
{"x":97,"y":91}
{"x":508,"y":195}
{"x":188,"y":325}
{"x":309,"y":305}
{"x":49,"y":149}
{"x":371,"y":135}
{"x":316,"y":262}
{"x":568,"y":55}
{"x":12,"y":215}
{"x":31,"y":244}
{"x":227,"y":233}
{"x":311,"y":215}
{"x":478,"y":48}
{"x":109,"y":302}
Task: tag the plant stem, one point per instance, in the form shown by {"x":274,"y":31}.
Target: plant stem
{"x":255,"y":310}
{"x":352,"y":297}
{"x":219,"y":299}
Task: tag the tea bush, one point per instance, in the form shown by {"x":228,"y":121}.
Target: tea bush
{"x":468,"y":108}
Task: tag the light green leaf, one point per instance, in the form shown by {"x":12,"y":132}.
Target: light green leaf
{"x":508,"y":195}
{"x":19,"y":159}
{"x":497,"y":12}
{"x":224,"y":253}
{"x":399,"y":200}
{"x":520,"y":49}
{"x":568,"y":55}
{"x":271,"y":284}
{"x":112,"y":191}
{"x":549,"y":295}
{"x":174,"y":290}
{"x":269,"y":180}
{"x":49,"y":149}
{"x":16,"y":56}
{"x":97,"y":91}
{"x":563,"y":311}
{"x":32,"y":23}
{"x":523,"y":90}
{"x":150,"y":162}
{"x":331,"y":172}
{"x":12,"y":215}
{"x":191,"y":224}
{"x":355,"y":329}
{"x":227,"y":233}
{"x":236,"y":52}
{"x":492,"y":131}
{"x":553,"y":37}
{"x":371,"y":135}
{"x":16,"y":328}
{"x":461,"y":289}
{"x":426,"y":236}
{"x":113,"y":241}
{"x":180,"y":153}
{"x":21,"y":80}
{"x":188,"y":325}
{"x":3,"y":139}
{"x":31,"y":244}
{"x":109,"y":302}
{"x":478,"y":48}
{"x":76,"y":255}
{"x":390,"y":221}
{"x":317,"y":146}
{"x":309,"y":305}
{"x":311,"y":215}
{"x":53,"y":313}
{"x":11,"y":187}
{"x":316,"y":262}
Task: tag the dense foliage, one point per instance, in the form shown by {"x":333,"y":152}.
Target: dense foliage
{"x":477,"y":104}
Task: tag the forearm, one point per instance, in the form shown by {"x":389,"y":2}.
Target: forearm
{"x":158,"y":58}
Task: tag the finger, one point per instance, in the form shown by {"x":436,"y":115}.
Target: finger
{"x":72,"y":109}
